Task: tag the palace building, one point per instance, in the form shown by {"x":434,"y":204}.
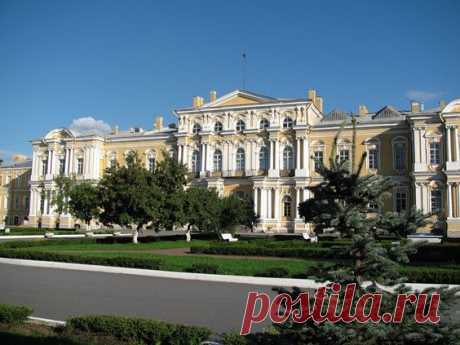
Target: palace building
{"x":268,"y":148}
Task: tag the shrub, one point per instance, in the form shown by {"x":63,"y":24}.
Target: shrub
{"x":275,"y":272}
{"x":431,"y":275}
{"x":10,"y":314}
{"x":140,"y":330}
{"x":121,"y":261}
{"x":203,"y":268}
{"x":234,"y":339}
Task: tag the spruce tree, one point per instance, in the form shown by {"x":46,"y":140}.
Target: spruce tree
{"x":340,"y":203}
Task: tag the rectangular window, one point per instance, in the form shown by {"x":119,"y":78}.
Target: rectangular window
{"x":401,"y":201}
{"x":399,"y":158}
{"x":113,"y":163}
{"x":318,"y":159}
{"x":436,"y":201}
{"x":435,"y":153}
{"x":151,"y":164}
{"x":344,"y":155}
{"x":61,"y":166}
{"x":373,"y":207}
{"x":44,"y":167}
{"x":80,"y":166}
{"x":373,"y":159}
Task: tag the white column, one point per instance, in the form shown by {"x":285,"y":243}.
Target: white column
{"x":423,"y":146}
{"x":247,"y":156}
{"x":71,"y":161}
{"x":418,"y":196}
{"x":297,"y":153}
{"x":306,"y":155}
{"x":276,"y":163}
{"x":277,"y":204}
{"x":271,"y":159}
{"x":256,"y":209}
{"x":416,"y":145}
{"x":458,"y":200}
{"x":449,"y":199}
{"x":269,"y":203}
{"x":179,"y":154}
{"x":263,"y":204}
{"x":449,"y":150}
{"x":34,"y":165}
{"x":457,"y":155}
{"x":297,"y":202}
{"x":426,"y":198}
{"x":50,"y":156}
{"x":203,"y":156}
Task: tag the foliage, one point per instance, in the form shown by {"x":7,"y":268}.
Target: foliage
{"x":84,"y":202}
{"x":403,"y":224}
{"x":60,"y":196}
{"x":236,"y":211}
{"x":128,"y":195}
{"x":141,"y":330}
{"x":203,"y":268}
{"x":201,"y":209}
{"x":10,"y":314}
{"x":275,"y":272}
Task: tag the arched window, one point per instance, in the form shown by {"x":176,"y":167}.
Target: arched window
{"x":217,"y":160}
{"x":264,"y":124}
{"x":240,"y":159}
{"x":240,"y":126}
{"x":196,"y":128}
{"x":288,"y":158}
{"x":218,"y":127}
{"x":287,"y":206}
{"x":288,"y":123}
{"x":196,"y":161}
{"x":436,"y":201}
{"x":399,"y":155}
{"x":263,"y":158}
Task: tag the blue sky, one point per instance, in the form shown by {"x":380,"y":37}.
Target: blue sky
{"x":124,"y":62}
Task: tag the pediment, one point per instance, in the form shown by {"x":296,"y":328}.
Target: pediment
{"x":239,"y":97}
{"x":387,"y":112}
{"x":336,"y":115}
{"x":60,"y":133}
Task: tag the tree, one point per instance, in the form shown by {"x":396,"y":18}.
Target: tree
{"x":170,"y":177}
{"x":129,"y":196}
{"x":341,"y":202}
{"x":201,"y":209}
{"x":236,"y":211}
{"x":83,"y":202}
{"x":60,"y":197}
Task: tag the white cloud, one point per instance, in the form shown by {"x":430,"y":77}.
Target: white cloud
{"x":423,"y":96}
{"x":89,"y":125}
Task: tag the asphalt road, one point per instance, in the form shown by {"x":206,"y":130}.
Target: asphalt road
{"x":59,"y":294}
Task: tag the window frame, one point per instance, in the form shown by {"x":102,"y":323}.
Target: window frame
{"x":240,"y":158}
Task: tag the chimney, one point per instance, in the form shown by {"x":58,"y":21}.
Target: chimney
{"x":415,"y":107}
{"x":362,"y":110}
{"x":158,"y":122}
{"x":212,"y":96}
{"x":198,"y":101}
{"x":312,"y":95}
{"x":319,"y":103}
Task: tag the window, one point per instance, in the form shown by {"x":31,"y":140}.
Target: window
{"x":288,"y":123}
{"x":287,"y":209}
{"x":218,"y":127}
{"x":61,"y":166}
{"x":240,"y":161}
{"x":217,"y":161}
{"x":344,"y":155}
{"x":399,"y":155}
{"x":113,"y":163}
{"x":16,"y":202}
{"x":373,"y":159}
{"x":151,"y":164}
{"x":435,"y":153}
{"x":196,"y":161}
{"x":318,"y":155}
{"x":401,"y":201}
{"x":44,"y":167}
{"x":436,"y":201}
{"x":196,"y":128}
{"x":42,"y":203}
{"x":288,"y":158}
{"x":26,"y":202}
{"x":264,"y":124}
{"x":80,"y":166}
{"x":373,"y":206}
{"x":240,"y":126}
{"x":263,"y":158}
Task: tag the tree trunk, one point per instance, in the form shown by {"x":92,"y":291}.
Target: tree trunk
{"x":136,"y":234}
{"x":188,"y":234}
{"x":88,"y":225}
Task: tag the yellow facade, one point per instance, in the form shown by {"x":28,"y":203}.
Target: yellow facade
{"x":265,"y":148}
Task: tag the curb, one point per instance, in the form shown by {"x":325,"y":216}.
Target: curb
{"x":215,"y":278}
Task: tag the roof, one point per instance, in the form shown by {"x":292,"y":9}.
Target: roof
{"x":15,"y":165}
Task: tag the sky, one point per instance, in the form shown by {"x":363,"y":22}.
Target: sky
{"x":104,"y":63}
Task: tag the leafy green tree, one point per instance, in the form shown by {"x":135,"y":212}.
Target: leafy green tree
{"x":83,"y":202}
{"x":170,"y":177}
{"x":60,"y":198}
{"x":235,"y":211}
{"x":202,"y":209}
{"x":128,"y":195}
{"x":340,"y":202}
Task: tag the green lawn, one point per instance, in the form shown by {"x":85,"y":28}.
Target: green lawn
{"x":14,"y":231}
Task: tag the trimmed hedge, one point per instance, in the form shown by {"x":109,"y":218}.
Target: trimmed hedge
{"x":140,"y":330}
{"x":274,"y":272}
{"x":203,"y":268}
{"x":436,"y":275}
{"x":12,"y":314}
{"x":121,"y":261}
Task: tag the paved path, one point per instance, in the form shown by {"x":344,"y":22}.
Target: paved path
{"x":59,"y":294}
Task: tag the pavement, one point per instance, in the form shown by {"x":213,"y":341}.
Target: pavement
{"x":58,"y":294}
